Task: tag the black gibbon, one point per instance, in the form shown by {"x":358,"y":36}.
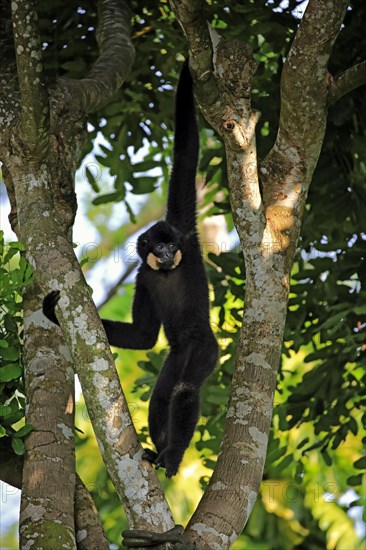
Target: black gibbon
{"x":171,"y":289}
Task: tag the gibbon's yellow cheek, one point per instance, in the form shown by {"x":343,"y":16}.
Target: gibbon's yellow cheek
{"x":153,"y":261}
{"x":177,"y":259}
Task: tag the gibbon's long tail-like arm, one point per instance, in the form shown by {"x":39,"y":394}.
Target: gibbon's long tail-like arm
{"x":181,"y":211}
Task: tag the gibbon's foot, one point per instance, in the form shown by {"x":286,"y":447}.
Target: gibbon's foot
{"x":149,"y":455}
{"x":167,"y":459}
{"x":133,"y":538}
{"x":170,"y":460}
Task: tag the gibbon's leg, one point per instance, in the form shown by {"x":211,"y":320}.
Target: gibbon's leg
{"x":183,"y":416}
{"x":200,"y":361}
{"x":160,"y":400}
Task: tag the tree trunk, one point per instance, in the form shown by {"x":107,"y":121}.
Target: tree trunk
{"x":268,"y":202}
{"x":40,"y":144}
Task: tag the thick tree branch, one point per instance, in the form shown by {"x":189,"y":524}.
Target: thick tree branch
{"x":33,"y":94}
{"x":190,"y":15}
{"x":116,"y":55}
{"x":305,"y":82}
{"x":55,"y":266}
{"x":44,"y":216}
{"x":349,"y":80}
{"x":87,"y":522}
{"x":50,"y":452}
{"x":268,"y":224}
{"x":88,"y":527}
{"x":223,"y":73}
{"x":9,"y":99}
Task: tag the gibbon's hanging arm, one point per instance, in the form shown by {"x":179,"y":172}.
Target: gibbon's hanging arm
{"x":135,"y":538}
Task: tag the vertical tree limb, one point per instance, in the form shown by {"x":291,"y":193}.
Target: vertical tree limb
{"x":305,"y":83}
{"x":33,"y":94}
{"x":47,"y":501}
{"x":268,"y":220}
{"x":44,"y":217}
{"x":89,"y":530}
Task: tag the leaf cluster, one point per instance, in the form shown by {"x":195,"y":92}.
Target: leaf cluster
{"x":11,"y":368}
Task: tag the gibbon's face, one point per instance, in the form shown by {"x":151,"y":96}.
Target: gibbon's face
{"x":160,"y":247}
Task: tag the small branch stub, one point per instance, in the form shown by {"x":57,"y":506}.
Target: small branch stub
{"x":229,"y":125}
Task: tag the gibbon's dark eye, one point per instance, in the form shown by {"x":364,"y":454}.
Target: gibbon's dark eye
{"x":171,"y":246}
{"x":159,"y":248}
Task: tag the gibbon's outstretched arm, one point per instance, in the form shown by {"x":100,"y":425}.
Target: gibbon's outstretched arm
{"x":181,"y":211}
{"x":142,"y":333}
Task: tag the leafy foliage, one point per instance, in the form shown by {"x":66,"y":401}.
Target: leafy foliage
{"x":11,"y":384}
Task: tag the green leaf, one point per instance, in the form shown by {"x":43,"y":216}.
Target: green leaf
{"x":352,"y":425}
{"x":327,"y":458}
{"x":130,"y":212}
{"x":360,"y":464}
{"x":355,"y":480}
{"x":303,"y":442}
{"x":108,"y":197}
{"x":24,"y":430}
{"x":9,"y":354}
{"x":5,"y":410}
{"x":104,"y":161}
{"x":9,"y":255}
{"x":10,"y":372}
{"x":2,"y":431}
{"x":143,"y":184}
{"x":91,"y":179}
{"x":145,"y":165}
{"x":18,"y":446}
{"x":17,"y":245}
{"x":274,"y":455}
{"x":284,"y":463}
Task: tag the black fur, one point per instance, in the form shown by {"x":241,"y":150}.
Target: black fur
{"x":173,"y":293}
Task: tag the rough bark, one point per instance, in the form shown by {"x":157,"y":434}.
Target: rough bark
{"x":47,"y":502}
{"x":88,"y":528}
{"x":347,"y":81}
{"x":268,"y":220}
{"x":116,"y":55}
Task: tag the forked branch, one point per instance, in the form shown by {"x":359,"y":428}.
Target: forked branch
{"x":116,"y":55}
{"x":349,"y":80}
